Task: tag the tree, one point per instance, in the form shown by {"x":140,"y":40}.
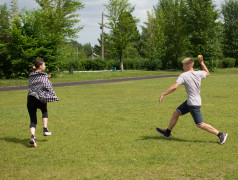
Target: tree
{"x":39,"y":33}
{"x":68,"y":57}
{"x":152,"y":38}
{"x":203,"y":29}
{"x":122,"y":26}
{"x":31,"y":38}
{"x":88,"y":49}
{"x":171,"y":31}
{"x":5,"y":64}
{"x":109,"y":50}
{"x":14,"y":8}
{"x":148,"y":37}
{"x":84,"y":49}
{"x":230,"y":39}
{"x":62,"y":16}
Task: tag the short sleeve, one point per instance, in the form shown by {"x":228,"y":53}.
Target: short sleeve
{"x":203,"y":74}
{"x":180,"y":80}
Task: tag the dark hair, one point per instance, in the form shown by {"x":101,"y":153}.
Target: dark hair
{"x":37,"y":64}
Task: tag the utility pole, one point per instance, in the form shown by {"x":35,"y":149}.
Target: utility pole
{"x":102,"y":39}
{"x":102,"y":35}
{"x":55,"y":5}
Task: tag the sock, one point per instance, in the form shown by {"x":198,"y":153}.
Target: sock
{"x":168,"y":131}
{"x":219,"y":134}
{"x":44,"y":129}
{"x":32,"y":136}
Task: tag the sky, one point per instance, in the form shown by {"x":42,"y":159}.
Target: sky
{"x":91,"y":15}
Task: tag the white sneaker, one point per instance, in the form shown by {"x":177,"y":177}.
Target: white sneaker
{"x":46,"y":132}
{"x":33,"y":142}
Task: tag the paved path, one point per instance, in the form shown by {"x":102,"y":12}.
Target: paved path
{"x":13,"y":88}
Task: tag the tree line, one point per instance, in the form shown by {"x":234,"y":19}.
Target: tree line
{"x":174,"y":29}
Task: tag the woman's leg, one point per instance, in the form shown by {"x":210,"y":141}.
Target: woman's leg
{"x":44,"y":111}
{"x":45,"y":121}
{"x":32,"y":109}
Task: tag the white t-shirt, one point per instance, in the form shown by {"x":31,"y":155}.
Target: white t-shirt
{"x":192,"y":82}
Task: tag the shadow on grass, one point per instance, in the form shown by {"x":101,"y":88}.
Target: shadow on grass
{"x":173,"y":139}
{"x":24,"y":142}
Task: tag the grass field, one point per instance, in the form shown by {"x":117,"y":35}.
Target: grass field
{"x":107,"y":131}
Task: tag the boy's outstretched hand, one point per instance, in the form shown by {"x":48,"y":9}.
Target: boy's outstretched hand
{"x":160,"y":98}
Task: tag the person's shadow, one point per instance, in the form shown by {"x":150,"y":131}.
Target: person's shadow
{"x":24,"y":142}
{"x":173,"y":139}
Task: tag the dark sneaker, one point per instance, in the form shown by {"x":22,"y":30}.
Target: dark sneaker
{"x":223,"y":138}
{"x":46,"y":132}
{"x":33,"y":142}
{"x":163,"y":132}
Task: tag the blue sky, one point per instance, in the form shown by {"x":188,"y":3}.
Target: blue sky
{"x":91,"y":15}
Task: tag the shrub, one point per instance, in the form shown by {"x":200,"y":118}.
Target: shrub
{"x":211,"y":65}
{"x":152,"y":65}
{"x":111,"y":64}
{"x":1,"y":74}
{"x":98,"y":64}
{"x":131,"y":64}
{"x":228,"y":62}
{"x":179,"y":62}
{"x":92,"y":64}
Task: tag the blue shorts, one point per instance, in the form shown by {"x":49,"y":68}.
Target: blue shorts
{"x":195,"y":111}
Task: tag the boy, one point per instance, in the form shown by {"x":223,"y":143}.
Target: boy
{"x":192,"y":81}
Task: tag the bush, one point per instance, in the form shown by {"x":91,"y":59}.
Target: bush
{"x":92,"y":64}
{"x":179,"y":62}
{"x":111,"y":64}
{"x":152,"y":65}
{"x":98,"y":64}
{"x":132,"y":64}
{"x":228,"y":62}
{"x":1,"y":74}
{"x":211,"y":65}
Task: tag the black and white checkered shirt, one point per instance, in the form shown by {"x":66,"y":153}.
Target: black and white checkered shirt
{"x":41,"y":87}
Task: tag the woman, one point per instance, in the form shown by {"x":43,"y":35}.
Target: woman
{"x":40,"y":92}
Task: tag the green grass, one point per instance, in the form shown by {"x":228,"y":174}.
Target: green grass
{"x":87,"y":76}
{"x":107,"y":131}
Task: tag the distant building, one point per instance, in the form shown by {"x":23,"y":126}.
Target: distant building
{"x":93,"y":56}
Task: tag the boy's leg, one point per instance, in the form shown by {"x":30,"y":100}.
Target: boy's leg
{"x":174,"y":120}
{"x":208,"y":128}
{"x":198,"y":119}
{"x":181,"y":110}
{"x":197,"y":116}
{"x":222,"y":136}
